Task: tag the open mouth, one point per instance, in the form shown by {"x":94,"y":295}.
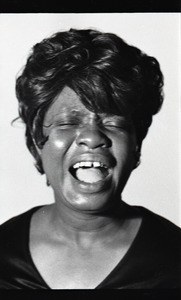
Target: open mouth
{"x":89,"y":171}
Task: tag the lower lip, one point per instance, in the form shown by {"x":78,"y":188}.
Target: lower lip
{"x":95,"y":187}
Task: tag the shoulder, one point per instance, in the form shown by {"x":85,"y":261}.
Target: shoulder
{"x":156,"y":227}
{"x":17,"y":269}
{"x":158,"y":224}
{"x":154,"y":260}
{"x":160,"y":247}
{"x":159,"y":237}
{"x":161,"y":232}
{"x":14,"y":234}
{"x":16,"y":225}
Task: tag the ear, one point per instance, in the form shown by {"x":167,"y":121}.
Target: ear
{"x":39,"y":145}
{"x":37,"y":153}
{"x":39,"y":164}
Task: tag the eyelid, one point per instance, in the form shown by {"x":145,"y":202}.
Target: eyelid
{"x":119,"y":124}
{"x":47,"y":125}
{"x":62,"y":122}
{"x":66,"y":124}
{"x":109,"y":121}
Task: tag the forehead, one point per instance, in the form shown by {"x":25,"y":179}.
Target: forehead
{"x":66,"y":102}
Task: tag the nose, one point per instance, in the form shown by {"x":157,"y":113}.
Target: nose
{"x":93,"y":138}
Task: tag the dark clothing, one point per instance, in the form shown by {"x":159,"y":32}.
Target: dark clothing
{"x":153,"y":261}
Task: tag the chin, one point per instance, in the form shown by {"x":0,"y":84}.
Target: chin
{"x":95,"y":202}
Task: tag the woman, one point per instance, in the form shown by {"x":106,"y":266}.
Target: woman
{"x":87,"y":99}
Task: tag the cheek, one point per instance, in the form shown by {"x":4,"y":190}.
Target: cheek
{"x":124,"y":144}
{"x":124,"y":151}
{"x":60,"y":141}
{"x":55,"y":148}
{"x":58,"y":144}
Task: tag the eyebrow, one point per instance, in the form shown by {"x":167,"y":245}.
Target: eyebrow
{"x":64,"y":112}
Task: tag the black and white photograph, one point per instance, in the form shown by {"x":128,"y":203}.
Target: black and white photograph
{"x":90,"y":151}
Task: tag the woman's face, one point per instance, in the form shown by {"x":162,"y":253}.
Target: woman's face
{"x":88,"y":157}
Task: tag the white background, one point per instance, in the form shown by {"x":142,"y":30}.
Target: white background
{"x":155,"y":184}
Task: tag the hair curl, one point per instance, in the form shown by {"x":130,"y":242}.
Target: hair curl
{"x":106,"y":73}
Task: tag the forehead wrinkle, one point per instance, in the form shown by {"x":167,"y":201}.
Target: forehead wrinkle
{"x":66,"y":110}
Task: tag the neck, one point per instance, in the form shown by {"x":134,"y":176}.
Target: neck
{"x":83,"y":227}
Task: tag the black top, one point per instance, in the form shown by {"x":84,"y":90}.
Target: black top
{"x":153,"y":261}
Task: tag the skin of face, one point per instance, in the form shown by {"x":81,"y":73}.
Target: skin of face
{"x":76,"y":134}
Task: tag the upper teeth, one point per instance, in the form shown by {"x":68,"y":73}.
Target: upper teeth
{"x":94,"y":164}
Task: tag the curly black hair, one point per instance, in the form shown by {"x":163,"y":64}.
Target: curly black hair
{"x":106,"y":73}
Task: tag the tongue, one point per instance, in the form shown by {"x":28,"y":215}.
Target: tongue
{"x":89,"y":175}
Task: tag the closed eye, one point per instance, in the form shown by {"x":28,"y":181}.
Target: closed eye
{"x":66,"y":125}
{"x":123,"y":127}
{"x":61,"y":125}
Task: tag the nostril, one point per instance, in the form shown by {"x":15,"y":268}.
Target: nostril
{"x":93,"y":139}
